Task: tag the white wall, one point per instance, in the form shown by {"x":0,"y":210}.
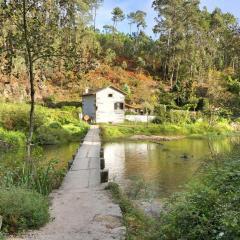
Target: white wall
{"x":89,"y":106}
{"x":105,"y":106}
{"x":139,"y":118}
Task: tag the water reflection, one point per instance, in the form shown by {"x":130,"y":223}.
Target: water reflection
{"x":167,"y":166}
{"x":12,"y":159}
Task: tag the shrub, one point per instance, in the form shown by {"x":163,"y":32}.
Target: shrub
{"x":203,"y":104}
{"x":22,"y":209}
{"x":11,"y":138}
{"x":179,"y":116}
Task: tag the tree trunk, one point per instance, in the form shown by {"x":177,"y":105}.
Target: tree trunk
{"x":29,"y":64}
{"x":95,"y":18}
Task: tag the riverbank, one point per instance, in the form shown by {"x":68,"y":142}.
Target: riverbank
{"x":32,"y":183}
{"x":52,"y":126}
{"x":165,"y":131}
{"x":207,"y":209}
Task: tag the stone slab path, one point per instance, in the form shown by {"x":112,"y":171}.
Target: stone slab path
{"x":81,"y":208}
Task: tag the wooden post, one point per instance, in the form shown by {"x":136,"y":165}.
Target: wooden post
{"x":102,"y":153}
{"x":104,"y":175}
{"x":102,"y":163}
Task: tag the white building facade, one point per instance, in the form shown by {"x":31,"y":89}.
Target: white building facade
{"x":106,"y":105}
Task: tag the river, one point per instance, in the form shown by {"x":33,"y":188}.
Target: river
{"x":166,"y":166}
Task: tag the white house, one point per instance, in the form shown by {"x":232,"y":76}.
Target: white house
{"x":105,"y":105}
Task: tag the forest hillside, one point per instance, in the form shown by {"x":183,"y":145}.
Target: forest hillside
{"x":194,"y":58}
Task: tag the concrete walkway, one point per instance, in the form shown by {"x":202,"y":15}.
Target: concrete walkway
{"x":81,"y":208}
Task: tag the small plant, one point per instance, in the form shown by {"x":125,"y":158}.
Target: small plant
{"x":22,"y":209}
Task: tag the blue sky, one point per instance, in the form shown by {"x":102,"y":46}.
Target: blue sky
{"x":104,"y":13}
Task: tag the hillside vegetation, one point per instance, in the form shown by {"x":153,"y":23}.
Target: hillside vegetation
{"x":193,"y":59}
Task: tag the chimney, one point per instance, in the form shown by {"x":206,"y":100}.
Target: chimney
{"x":87,"y":90}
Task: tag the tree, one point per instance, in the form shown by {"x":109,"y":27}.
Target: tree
{"x":118,"y":16}
{"x":95,"y":4}
{"x":131,"y":18}
{"x":109,"y":29}
{"x":137,"y":18}
{"x":33,"y":39}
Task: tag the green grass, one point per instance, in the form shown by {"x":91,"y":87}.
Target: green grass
{"x":110,"y":132}
{"x":24,"y":187}
{"x":51,"y":126}
{"x":11,"y":138}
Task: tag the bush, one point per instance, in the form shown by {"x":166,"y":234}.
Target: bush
{"x":179,"y":116}
{"x":203,"y":104}
{"x":22,"y":209}
{"x":11,"y":138}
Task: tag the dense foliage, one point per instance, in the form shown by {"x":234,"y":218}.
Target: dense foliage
{"x":195,"y":55}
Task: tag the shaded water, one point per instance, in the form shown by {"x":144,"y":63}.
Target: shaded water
{"x":62,"y":154}
{"x":166,"y":166}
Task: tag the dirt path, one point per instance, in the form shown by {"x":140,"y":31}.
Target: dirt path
{"x":81,"y":208}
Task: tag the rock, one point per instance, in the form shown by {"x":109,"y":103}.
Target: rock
{"x":184,"y":156}
{"x":152,"y":208}
{"x":110,"y":221}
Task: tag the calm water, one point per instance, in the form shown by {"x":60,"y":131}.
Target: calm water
{"x":62,"y":154}
{"x":167,"y":166}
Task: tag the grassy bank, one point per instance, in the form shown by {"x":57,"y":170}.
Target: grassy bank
{"x":24,"y":187}
{"x":52,"y":126}
{"x":110,"y":132}
{"x":207,"y":209}
{"x":138,"y":225}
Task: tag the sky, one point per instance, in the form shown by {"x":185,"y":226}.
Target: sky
{"x":104,"y":13}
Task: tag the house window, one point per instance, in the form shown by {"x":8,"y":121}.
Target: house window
{"x":110,"y":95}
{"x":118,"y":106}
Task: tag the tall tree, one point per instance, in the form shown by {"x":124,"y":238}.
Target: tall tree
{"x":140,"y":20}
{"x":117,"y":16}
{"x":33,"y":39}
{"x":131,"y":19}
{"x":95,"y":4}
